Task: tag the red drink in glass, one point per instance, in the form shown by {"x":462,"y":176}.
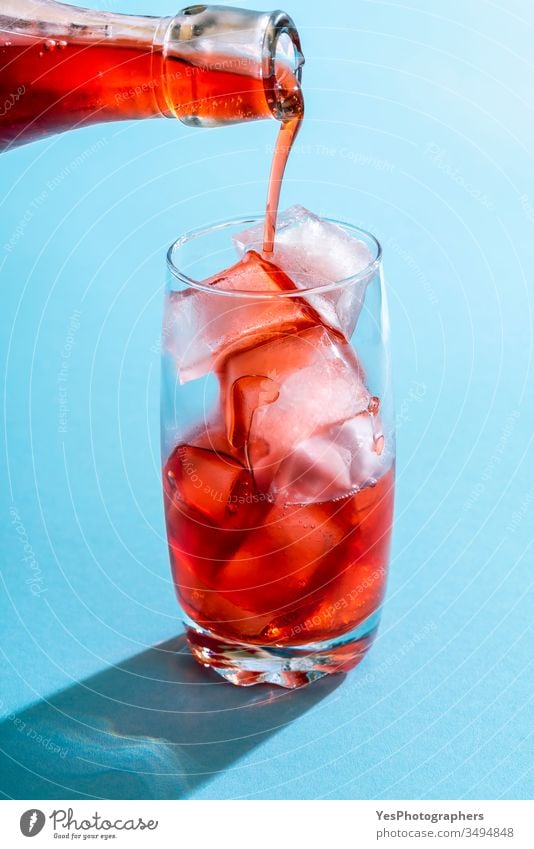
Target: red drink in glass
{"x":279,"y":490}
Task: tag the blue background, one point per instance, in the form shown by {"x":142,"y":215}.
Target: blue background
{"x":419,"y":127}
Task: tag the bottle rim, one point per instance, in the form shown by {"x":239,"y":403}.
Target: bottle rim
{"x":279,"y":24}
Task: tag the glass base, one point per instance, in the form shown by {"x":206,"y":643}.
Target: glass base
{"x":245,"y":664}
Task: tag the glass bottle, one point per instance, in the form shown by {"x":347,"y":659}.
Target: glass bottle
{"x":62,"y":67}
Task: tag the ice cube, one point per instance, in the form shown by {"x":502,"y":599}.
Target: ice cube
{"x":194,"y":580}
{"x":314,"y":252}
{"x":206,"y":481}
{"x":340,"y":460}
{"x":284,"y":561}
{"x":317,"y":470}
{"x":318,"y":383}
{"x":333,"y":463}
{"x":201,"y":329}
{"x":210,"y":506}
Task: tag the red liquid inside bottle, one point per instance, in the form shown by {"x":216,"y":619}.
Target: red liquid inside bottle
{"x":63,"y":68}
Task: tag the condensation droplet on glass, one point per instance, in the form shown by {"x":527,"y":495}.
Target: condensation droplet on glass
{"x":379,"y":443}
{"x":374,"y":405}
{"x":171,"y":478}
{"x":50,"y":44}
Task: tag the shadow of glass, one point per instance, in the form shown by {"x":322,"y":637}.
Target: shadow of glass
{"x":155,"y":727}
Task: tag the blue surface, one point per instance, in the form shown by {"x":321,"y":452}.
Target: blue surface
{"x":420,"y":127}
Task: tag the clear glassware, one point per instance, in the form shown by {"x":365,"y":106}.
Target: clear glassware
{"x":64,"y":67}
{"x":278,"y":463}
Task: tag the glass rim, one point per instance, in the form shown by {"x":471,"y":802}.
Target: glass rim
{"x":249,"y":220}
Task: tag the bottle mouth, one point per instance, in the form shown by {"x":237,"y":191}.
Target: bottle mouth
{"x":282,"y":67}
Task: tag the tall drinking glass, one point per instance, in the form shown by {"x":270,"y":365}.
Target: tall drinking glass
{"x":278,"y":459}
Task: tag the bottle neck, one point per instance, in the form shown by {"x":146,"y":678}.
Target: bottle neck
{"x":226,"y":65}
